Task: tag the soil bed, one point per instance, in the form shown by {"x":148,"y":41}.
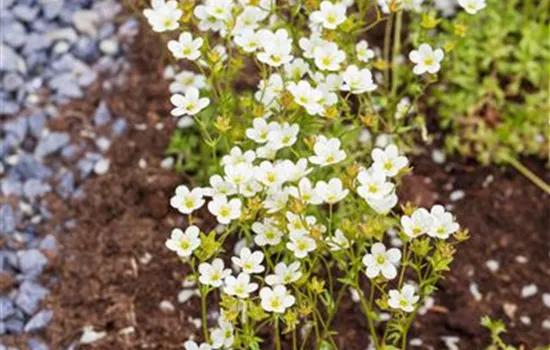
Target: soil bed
{"x":115,"y":271}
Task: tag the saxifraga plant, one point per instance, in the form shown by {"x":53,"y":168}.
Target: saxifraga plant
{"x":309,"y":222}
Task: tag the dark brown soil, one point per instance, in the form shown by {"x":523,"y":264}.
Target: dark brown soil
{"x":107,"y":281}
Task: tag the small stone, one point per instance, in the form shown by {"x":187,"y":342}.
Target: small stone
{"x":167,"y":306}
{"x":36,"y":344}
{"x":521,"y":259}
{"x":52,"y":9}
{"x":127,"y":331}
{"x":90,"y":336}
{"x":546,"y":324}
{"x":492,"y":265}
{"x":102,"y":114}
{"x":12,"y":81}
{"x":474,"y":289}
{"x":65,"y":184}
{"x":85,"y":166}
{"x":119,"y":127}
{"x":187,"y":294}
{"x":526,"y":320}
{"x":39,"y":321}
{"x":69,"y":151}
{"x":48,"y":243}
{"x":142,"y":163}
{"x":416,"y":342}
{"x":25,"y":13}
{"x":6,"y":308}
{"x":529,"y":290}
{"x":35,"y":188}
{"x":451,"y":342}
{"x":31,"y":260}
{"x":102,"y":166}
{"x":546,"y":299}
{"x":36,"y":124}
{"x":109,"y":47}
{"x":29,"y":297}
{"x":457,"y":195}
{"x":103,"y":144}
{"x":51,"y":143}
{"x":85,"y":21}
{"x":438,"y":156}
{"x":13,"y":326}
{"x":11,"y":187}
{"x":167,"y":163}
{"x":8,"y":220}
{"x":17,"y":127}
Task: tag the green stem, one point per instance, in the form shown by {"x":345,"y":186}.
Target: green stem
{"x":277,"y":336}
{"x":204,"y":314}
{"x":395,"y":53}
{"x":527,"y":173}
{"x":367,"y":311}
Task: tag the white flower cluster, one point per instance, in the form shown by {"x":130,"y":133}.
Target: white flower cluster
{"x":313,"y":75}
{"x":294,"y":235}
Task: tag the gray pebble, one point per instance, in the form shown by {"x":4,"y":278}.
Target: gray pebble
{"x":39,"y":321}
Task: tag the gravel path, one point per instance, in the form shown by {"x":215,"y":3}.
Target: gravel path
{"x":51,"y":52}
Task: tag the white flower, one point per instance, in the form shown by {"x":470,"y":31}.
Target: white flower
{"x":240,"y":286}
{"x":426,"y":59}
{"x":163,"y":16}
{"x":213,"y":274}
{"x":331,"y":192}
{"x":187,"y":201}
{"x":373,"y":184}
{"x":383,"y":205}
{"x":184,"y":243}
{"x":306,"y":96}
{"x":388,"y":160}
{"x":277,"y":299}
{"x":285,"y":136}
{"x":329,"y":57}
{"x":403,"y":108}
{"x":404,"y":299}
{"x":338,"y":241}
{"x":472,"y":6}
{"x":191,"y":345}
{"x":364,"y":54}
{"x":276,"y":201}
{"x":277,"y":47}
{"x":417,"y":224}
{"x":443,"y":224}
{"x":223,"y":335}
{"x":327,"y":151}
{"x":239,"y":174}
{"x":308,"y":45}
{"x":357,"y":81}
{"x":249,"y":262}
{"x":236,"y":157}
{"x":305,"y":192}
{"x":250,"y":188}
{"x":296,"y":69}
{"x":188,"y":104}
{"x":213,"y":15}
{"x":267,"y":151}
{"x":248,"y":40}
{"x":297,"y":224}
{"x":270,"y":175}
{"x":380,"y":261}
{"x":267,"y":233}
{"x":249,"y":18}
{"x":224,"y":210}
{"x":269,"y":92}
{"x":284,"y":274}
{"x":185,"y":80}
{"x":186,"y":46}
{"x":301,"y":244}
{"x":220,"y":187}
{"x":329,"y":15}
{"x":260,"y":130}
